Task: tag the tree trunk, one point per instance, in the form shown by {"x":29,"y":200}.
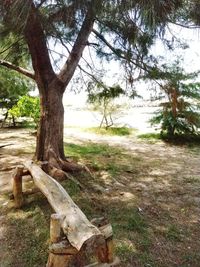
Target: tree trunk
{"x":50,"y":130}
{"x":52,"y":86}
{"x":50,"y":146}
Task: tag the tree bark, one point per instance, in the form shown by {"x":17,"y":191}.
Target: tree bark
{"x":75,"y":224}
{"x":50,"y":131}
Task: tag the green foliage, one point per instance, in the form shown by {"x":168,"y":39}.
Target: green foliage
{"x":12,"y":86}
{"x":179,"y":114}
{"x":149,"y":136}
{"x":102,"y":97}
{"x":27,"y":106}
{"x":132,"y":27}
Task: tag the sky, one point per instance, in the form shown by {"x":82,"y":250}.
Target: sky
{"x":191,"y":62}
{"x":114,"y":73}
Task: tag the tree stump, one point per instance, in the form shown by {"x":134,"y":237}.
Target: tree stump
{"x":61,"y":253}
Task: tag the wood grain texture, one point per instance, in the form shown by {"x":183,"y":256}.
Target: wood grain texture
{"x":75,"y":224}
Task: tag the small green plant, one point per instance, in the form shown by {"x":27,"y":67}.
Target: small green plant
{"x":27,"y":106}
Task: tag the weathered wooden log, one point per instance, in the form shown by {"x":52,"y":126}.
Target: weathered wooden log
{"x":106,"y":230}
{"x":63,"y":247}
{"x":55,"y":228}
{"x":108,"y":234}
{"x":17,"y":187}
{"x":100,"y":221}
{"x":29,"y":191}
{"x":71,"y":256}
{"x":75,"y":224}
{"x":25,"y":172}
{"x":58,"y":260}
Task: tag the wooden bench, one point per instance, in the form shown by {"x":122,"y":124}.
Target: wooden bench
{"x":71,"y":233}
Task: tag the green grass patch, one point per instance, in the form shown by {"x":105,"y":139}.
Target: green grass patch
{"x":125,"y":251}
{"x":98,"y":157}
{"x":147,"y":260}
{"x":29,"y":231}
{"x":89,"y":150}
{"x":119,"y":131}
{"x":129,"y":220}
{"x":102,"y":157}
{"x":173,"y":233}
{"x":71,"y":187}
{"x":150,"y":136}
{"x":136,"y":222}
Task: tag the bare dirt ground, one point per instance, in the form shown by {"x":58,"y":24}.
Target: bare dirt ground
{"x":151,"y":195}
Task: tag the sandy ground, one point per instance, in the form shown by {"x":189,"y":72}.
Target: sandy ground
{"x":167,"y":182}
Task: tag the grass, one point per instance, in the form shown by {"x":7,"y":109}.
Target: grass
{"x":27,"y":230}
{"x":119,"y":131}
{"x":154,"y":227}
{"x":192,"y":141}
{"x":173,"y":233}
{"x":97,"y":156}
{"x":150,"y":136}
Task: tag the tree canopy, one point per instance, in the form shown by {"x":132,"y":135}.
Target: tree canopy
{"x":41,"y":29}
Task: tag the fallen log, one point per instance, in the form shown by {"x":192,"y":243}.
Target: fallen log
{"x":75,"y":224}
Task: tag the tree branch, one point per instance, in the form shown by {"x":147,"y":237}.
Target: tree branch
{"x":69,"y":67}
{"x":23,"y":71}
{"x":36,"y":40}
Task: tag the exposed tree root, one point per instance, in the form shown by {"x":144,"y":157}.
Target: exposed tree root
{"x":62,"y":169}
{"x":71,"y":167}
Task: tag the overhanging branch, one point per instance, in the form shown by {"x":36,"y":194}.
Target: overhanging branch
{"x":23,"y":71}
{"x":69,"y":67}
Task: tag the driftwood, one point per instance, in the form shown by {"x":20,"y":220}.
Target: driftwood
{"x":75,"y":224}
{"x":71,"y":233}
{"x":28,"y":192}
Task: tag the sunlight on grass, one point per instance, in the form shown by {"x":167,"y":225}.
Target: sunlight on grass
{"x":150,"y":136}
{"x":89,"y":150}
{"x":119,"y":131}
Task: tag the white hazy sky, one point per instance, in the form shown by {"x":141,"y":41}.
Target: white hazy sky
{"x":191,"y":62}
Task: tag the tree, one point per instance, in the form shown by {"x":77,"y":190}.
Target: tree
{"x":27,"y":106}
{"x":12,"y":87}
{"x":118,"y":30}
{"x":179,"y":113}
{"x":102,"y":98}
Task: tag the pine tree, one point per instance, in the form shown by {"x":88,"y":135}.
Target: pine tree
{"x":122,"y":30}
{"x":179,"y":113}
